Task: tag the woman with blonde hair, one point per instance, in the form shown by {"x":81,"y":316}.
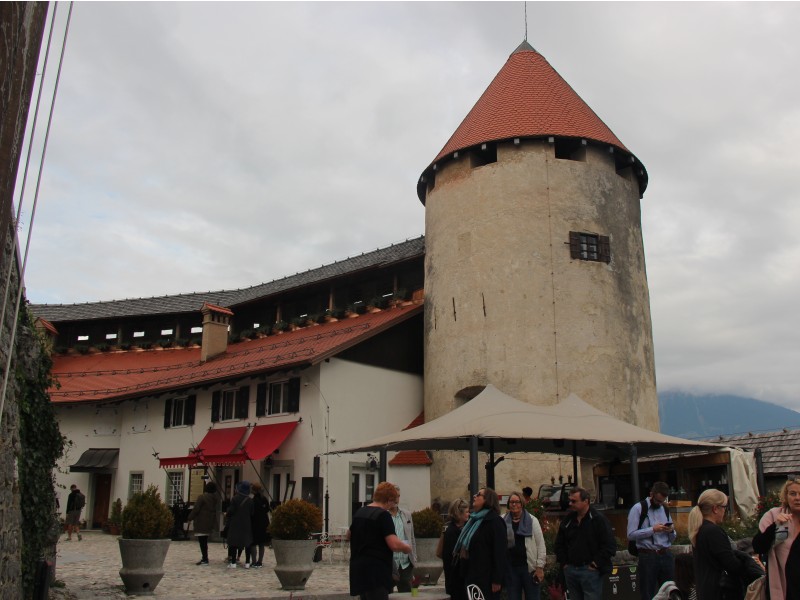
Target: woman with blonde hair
{"x":526,"y":558}
{"x":372,"y":543}
{"x":713,"y":553}
{"x":778,"y":538}
{"x":453,"y":580}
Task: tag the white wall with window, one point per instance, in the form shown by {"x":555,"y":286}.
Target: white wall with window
{"x":135,"y":484}
{"x":174,"y":492}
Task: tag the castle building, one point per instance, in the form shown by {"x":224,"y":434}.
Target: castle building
{"x":531,"y":277}
{"x":534,"y":265}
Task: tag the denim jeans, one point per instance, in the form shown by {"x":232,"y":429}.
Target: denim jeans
{"x":583,"y":583}
{"x":652,"y":571}
{"x":519,"y":580}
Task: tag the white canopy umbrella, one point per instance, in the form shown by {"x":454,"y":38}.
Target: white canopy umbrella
{"x":495,"y":422}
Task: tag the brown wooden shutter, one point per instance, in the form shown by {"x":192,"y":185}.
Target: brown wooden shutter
{"x":604,"y":248}
{"x":261,"y":399}
{"x":215,"y":400}
{"x":242,"y":402}
{"x":574,"y":245}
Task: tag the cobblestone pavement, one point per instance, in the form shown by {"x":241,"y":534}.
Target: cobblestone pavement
{"x":90,"y":569}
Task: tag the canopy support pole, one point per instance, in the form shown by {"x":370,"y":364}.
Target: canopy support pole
{"x":490,"y":466}
{"x":382,"y":465}
{"x":575,"y":462}
{"x":762,"y":488}
{"x":635,"y":474}
{"x":473,"y":466}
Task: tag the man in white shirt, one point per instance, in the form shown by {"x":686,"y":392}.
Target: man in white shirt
{"x":653,"y":533}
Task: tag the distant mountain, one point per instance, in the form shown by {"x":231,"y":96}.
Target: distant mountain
{"x":709,"y":415}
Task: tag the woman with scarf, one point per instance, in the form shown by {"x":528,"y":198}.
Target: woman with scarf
{"x":526,"y":551}
{"x":481,"y":546}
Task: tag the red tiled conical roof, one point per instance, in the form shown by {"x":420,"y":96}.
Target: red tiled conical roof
{"x":529,"y":99}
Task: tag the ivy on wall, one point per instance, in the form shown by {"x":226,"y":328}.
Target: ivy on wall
{"x":41,"y":445}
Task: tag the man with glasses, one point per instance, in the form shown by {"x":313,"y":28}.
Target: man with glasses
{"x":650,"y":527}
{"x":584,"y":547}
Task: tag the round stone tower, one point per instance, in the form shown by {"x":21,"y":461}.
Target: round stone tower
{"x":534,"y":266}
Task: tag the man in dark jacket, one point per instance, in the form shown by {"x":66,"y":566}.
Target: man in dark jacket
{"x":584,"y":547}
{"x":75,"y":503}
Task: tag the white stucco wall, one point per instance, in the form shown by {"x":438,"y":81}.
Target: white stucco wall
{"x":341,"y":403}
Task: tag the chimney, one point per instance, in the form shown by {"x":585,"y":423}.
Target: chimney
{"x":215,"y":330}
{"x":47,"y":331}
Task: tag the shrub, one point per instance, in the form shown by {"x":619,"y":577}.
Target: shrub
{"x":536,"y":507}
{"x":427,"y":523}
{"x":146,"y":517}
{"x":295,"y":520}
{"x":116,"y":513}
{"x":771,"y":500}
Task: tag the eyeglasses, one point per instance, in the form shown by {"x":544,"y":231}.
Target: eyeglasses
{"x":478,"y":495}
{"x":722,"y":506}
{"x":514,"y":502}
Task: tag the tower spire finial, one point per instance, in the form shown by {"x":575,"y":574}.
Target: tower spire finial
{"x":526,"y":19}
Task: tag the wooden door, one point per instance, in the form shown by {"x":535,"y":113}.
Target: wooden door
{"x":102,"y":500}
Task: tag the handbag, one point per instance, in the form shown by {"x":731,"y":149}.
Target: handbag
{"x":757,"y":590}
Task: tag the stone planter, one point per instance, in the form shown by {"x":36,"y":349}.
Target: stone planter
{"x":294,"y":562}
{"x":428,"y":567}
{"x":142,"y":564}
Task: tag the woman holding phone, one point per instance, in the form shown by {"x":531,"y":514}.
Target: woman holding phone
{"x":778,"y":538}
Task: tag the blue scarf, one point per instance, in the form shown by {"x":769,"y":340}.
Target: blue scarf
{"x":465,"y":537}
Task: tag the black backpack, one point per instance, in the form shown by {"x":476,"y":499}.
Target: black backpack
{"x":632,"y":549}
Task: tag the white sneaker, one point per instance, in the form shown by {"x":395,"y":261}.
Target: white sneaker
{"x":231,"y":565}
{"x":246,"y":565}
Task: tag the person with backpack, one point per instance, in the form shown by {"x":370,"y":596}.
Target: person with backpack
{"x":650,"y":536}
{"x":75,"y":503}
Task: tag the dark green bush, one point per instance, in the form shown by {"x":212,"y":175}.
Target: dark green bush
{"x":427,"y":523}
{"x":295,"y":520}
{"x":146,"y":517}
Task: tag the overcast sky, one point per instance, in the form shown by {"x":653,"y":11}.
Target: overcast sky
{"x":201,"y":146}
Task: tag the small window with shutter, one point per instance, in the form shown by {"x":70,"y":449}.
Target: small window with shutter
{"x":179,"y":412}
{"x":589,"y":246}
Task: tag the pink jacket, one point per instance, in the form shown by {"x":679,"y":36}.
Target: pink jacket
{"x":777,"y":555}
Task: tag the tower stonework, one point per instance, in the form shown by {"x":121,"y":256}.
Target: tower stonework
{"x":534,"y":265}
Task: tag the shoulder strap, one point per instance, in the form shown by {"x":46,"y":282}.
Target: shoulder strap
{"x":643,"y":514}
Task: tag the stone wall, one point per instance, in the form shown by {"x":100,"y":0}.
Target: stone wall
{"x":21,"y":28}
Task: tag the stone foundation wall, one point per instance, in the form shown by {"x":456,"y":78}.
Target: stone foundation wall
{"x":21,"y":29}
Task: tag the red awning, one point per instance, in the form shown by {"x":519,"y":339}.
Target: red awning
{"x":265,"y":439}
{"x":217,"y":447}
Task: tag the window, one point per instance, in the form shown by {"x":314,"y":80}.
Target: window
{"x":135,"y":484}
{"x":179,"y":411}
{"x":227,"y":405}
{"x":166,"y":332}
{"x":589,"y":246}
{"x":83,"y":338}
{"x":174,"y":487}
{"x":486,"y":154}
{"x":111,"y":336}
{"x":277,"y":398}
{"x":197,"y":330}
{"x":138,"y":334}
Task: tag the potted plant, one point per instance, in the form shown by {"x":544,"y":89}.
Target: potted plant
{"x":146,"y":526}
{"x":291,"y":527}
{"x":115,"y":518}
{"x":427,"y":529}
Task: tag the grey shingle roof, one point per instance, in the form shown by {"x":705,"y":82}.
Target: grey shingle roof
{"x":228,"y":298}
{"x":780,"y":450}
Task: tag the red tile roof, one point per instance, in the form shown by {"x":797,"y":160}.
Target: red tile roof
{"x":123,"y":375}
{"x":528,"y":98}
{"x":412,"y":457}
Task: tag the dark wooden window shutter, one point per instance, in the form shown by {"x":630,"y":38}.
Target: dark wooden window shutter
{"x":604,"y":248}
{"x":188,"y":413}
{"x":294,"y":395}
{"x":574,"y":245}
{"x":215,"y":399}
{"x":242,"y":401}
{"x":168,"y":413}
{"x":261,"y":399}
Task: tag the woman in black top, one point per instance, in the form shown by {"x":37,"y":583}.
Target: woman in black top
{"x":453,"y":581}
{"x":372,"y":542}
{"x":481,"y":546}
{"x":260,"y":523}
{"x":713,"y":553}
